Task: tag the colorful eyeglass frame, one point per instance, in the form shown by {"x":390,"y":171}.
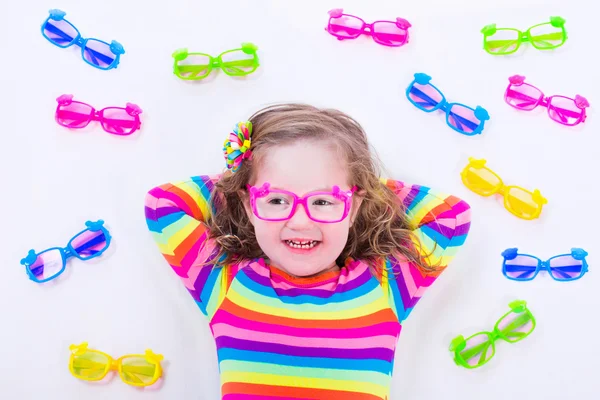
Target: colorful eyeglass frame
{"x":50,"y":263}
{"x":116,"y":120}
{"x":95,"y":52}
{"x":517,"y":200}
{"x":463,"y":119}
{"x":526,"y":97}
{"x":479,"y":348}
{"x":546,"y":36}
{"x":134,"y":369}
{"x":280,"y":205}
{"x":387,"y":33}
{"x":196,"y":66}
{"x":563,"y":267}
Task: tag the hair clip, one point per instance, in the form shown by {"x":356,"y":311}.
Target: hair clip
{"x":237,"y":146}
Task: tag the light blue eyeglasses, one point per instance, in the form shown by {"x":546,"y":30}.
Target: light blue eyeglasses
{"x":95,"y":52}
{"x":463,"y":119}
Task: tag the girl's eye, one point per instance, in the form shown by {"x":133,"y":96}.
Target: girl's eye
{"x":277,"y":201}
{"x":321,"y":202}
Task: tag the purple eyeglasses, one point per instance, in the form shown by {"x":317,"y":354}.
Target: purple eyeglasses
{"x":280,"y":205}
{"x":387,"y":33}
{"x":526,"y":97}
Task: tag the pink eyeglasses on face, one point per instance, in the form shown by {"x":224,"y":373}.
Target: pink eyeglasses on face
{"x":116,"y":120}
{"x":280,"y":205}
{"x":387,"y":33}
{"x":526,"y":97}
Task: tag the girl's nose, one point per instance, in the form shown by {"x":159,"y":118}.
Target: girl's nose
{"x":300,"y":218}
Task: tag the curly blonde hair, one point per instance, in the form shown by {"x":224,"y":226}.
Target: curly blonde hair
{"x":381,"y":227}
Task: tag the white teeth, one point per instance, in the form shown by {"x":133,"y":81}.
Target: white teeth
{"x":301,"y":245}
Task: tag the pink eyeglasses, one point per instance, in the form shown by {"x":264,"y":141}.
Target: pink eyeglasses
{"x":280,"y":205}
{"x":115,"y":120}
{"x":387,"y":33}
{"x":526,"y":97}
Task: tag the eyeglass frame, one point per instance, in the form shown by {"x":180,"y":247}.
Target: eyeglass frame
{"x":458,"y":344}
{"x":344,"y":195}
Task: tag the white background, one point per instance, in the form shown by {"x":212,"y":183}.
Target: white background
{"x":53,"y":180}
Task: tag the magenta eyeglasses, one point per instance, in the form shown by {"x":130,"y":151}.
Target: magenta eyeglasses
{"x":280,"y":205}
{"x":116,"y":120}
{"x":526,"y":97}
{"x":387,"y":33}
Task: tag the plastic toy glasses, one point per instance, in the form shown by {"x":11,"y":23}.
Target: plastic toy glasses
{"x":463,"y":119}
{"x":196,"y":66}
{"x":280,"y":205}
{"x":134,"y":369}
{"x":95,"y":52}
{"x":563,"y":267}
{"x":526,"y":97}
{"x":517,"y":200}
{"x":115,"y":120}
{"x":387,"y":33}
{"x":479,"y":348}
{"x":546,"y":36}
{"x":50,"y":263}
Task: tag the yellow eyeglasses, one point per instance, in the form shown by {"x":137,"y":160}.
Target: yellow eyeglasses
{"x":517,"y":200}
{"x":134,"y":369}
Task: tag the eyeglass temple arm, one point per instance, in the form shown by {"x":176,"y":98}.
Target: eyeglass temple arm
{"x":66,"y":38}
{"x":561,"y":270}
{"x":200,"y":67}
{"x":98,"y":366}
{"x":506,"y":43}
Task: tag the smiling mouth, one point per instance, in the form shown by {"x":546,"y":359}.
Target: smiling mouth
{"x":301,"y":244}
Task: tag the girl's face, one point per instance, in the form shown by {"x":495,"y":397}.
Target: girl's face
{"x":301,"y":246}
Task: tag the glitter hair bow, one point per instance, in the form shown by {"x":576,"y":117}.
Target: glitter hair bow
{"x":237,"y":145}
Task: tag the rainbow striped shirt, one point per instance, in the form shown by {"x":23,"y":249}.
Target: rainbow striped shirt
{"x":282,"y":337}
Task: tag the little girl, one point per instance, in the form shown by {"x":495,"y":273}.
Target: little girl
{"x":305,"y":262}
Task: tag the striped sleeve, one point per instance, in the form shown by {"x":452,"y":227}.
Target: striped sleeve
{"x":176,"y":214}
{"x":441,"y":223}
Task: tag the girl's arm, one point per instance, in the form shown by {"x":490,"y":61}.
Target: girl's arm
{"x":176,"y":214}
{"x":441,"y":224}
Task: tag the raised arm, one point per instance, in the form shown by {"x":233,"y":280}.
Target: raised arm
{"x":441,"y":223}
{"x":176,"y":214}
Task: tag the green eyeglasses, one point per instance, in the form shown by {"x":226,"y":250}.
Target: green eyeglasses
{"x":479,"y":348}
{"x":546,"y":36}
{"x":196,"y":66}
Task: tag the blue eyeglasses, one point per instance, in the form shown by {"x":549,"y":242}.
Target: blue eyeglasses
{"x":50,"y":263}
{"x":95,"y":52}
{"x":463,"y":119}
{"x":563,"y":267}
